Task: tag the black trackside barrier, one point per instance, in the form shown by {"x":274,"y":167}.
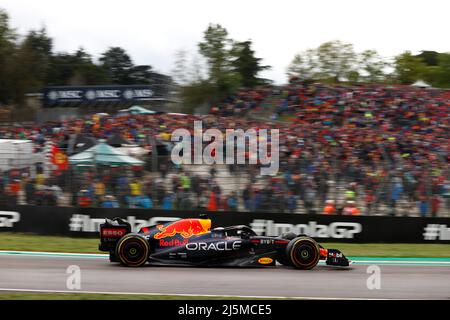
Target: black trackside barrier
{"x":84,"y":222}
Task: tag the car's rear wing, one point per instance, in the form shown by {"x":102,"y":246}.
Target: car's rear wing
{"x":111,"y":231}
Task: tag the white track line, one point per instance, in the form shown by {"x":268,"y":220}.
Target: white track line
{"x":46,"y":253}
{"x":180,"y":294}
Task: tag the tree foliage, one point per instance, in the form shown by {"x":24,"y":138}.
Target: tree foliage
{"x":246,"y":64}
{"x":332,"y":61}
{"x":7,"y":48}
{"x":409,"y":68}
{"x":336,"y":62}
{"x":75,"y":69}
{"x":31,"y":63}
{"x":372,"y":66}
{"x":304,"y":65}
{"x":443,"y":73}
{"x":215,"y":47}
{"x":430,"y":66}
{"x":230,"y":65}
{"x":430,"y":58}
{"x":119,"y":67}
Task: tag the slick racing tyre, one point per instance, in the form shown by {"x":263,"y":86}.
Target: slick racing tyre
{"x":132,"y":250}
{"x":303,"y":253}
{"x":282,"y":257}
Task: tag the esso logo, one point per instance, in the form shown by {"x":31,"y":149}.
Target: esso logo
{"x":113,"y":232}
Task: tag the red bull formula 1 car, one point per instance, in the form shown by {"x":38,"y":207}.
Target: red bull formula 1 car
{"x":193,"y":242}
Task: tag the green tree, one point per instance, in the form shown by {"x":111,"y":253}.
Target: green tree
{"x":91,"y":73}
{"x":372,"y":65}
{"x":7,"y":50}
{"x":216,"y":48}
{"x":75,"y":69}
{"x":354,"y":77}
{"x":246,"y":64}
{"x":120,"y":68}
{"x":304,"y":65}
{"x":409,"y":68}
{"x":117,"y":64}
{"x":335,"y":60}
{"x":443,"y":79}
{"x":62,"y":67}
{"x":31,"y":64}
{"x":141,"y":74}
{"x":430,"y":58}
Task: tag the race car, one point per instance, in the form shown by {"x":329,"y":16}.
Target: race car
{"x":192,"y":242}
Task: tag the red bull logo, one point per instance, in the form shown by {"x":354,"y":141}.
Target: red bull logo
{"x":185,"y":227}
{"x":173,"y":243}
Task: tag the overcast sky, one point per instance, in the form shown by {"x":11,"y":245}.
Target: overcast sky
{"x":151,"y":31}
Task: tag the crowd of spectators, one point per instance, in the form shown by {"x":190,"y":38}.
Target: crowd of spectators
{"x":392,"y":141}
{"x":343,"y":150}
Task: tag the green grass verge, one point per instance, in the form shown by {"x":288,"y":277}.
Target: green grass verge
{"x":28,"y":242}
{"x":95,"y":296}
{"x":31,"y":242}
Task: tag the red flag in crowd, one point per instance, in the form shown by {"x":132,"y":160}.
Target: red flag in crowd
{"x":59,"y":158}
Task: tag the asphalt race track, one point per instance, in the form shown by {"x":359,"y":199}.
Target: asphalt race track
{"x":44,"y":272}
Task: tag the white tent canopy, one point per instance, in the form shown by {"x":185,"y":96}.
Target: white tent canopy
{"x":421,"y":84}
{"x":103,"y":154}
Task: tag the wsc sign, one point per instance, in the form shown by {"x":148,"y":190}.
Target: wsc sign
{"x":57,"y":95}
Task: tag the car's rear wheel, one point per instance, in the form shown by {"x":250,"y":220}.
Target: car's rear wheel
{"x":303,"y":253}
{"x":132,"y":250}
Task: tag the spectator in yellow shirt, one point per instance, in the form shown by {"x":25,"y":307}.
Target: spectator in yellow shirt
{"x":99,"y":190}
{"x":40,"y":179}
{"x":135,"y":188}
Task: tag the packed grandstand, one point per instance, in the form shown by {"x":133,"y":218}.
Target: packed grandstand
{"x":351,"y":150}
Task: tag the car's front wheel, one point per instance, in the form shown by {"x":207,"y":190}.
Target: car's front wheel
{"x":132,"y":250}
{"x":303,"y":253}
